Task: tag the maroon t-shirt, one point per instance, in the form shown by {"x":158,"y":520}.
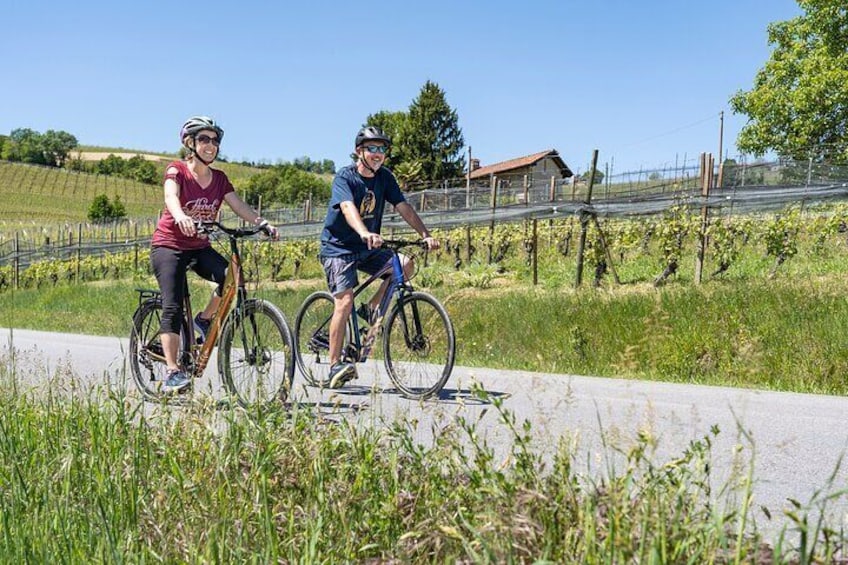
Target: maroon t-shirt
{"x":201,"y":204}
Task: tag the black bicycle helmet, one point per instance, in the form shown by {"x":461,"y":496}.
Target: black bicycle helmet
{"x":196,"y":124}
{"x":372,"y":133}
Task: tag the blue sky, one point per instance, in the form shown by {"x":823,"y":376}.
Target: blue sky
{"x":642,"y":82}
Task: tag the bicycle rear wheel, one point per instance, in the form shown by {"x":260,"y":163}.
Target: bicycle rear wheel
{"x":146,"y":356}
{"x":312,"y":338}
{"x":255,"y":356}
{"x":419,"y":345}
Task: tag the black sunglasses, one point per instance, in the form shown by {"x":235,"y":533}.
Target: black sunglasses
{"x":206,"y":139}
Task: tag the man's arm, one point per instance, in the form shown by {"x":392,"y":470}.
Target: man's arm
{"x":412,"y":218}
{"x":354,"y":220}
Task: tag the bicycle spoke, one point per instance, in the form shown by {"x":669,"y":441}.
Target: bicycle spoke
{"x":419,"y":346}
{"x":256,"y":355}
{"x":312,"y":338}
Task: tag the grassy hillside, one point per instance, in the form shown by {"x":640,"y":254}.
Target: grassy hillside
{"x":36,"y":194}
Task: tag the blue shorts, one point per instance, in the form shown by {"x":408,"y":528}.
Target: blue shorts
{"x":341,"y":272}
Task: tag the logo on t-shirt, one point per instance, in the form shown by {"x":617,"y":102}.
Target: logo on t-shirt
{"x":369,"y":202}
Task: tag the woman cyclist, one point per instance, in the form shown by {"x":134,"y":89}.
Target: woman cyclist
{"x":194,"y":192}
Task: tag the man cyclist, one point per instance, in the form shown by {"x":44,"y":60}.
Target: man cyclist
{"x":351,"y":238}
{"x":194,"y":192}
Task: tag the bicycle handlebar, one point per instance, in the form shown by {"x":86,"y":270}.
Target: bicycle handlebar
{"x":400,"y":243}
{"x":211,"y":226}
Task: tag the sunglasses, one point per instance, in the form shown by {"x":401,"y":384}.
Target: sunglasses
{"x":206,"y":139}
{"x":377,"y":149}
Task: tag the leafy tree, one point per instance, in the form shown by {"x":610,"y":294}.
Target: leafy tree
{"x":408,"y":172}
{"x":4,"y":139}
{"x":140,"y":169}
{"x":104,"y":210}
{"x":431,"y":134}
{"x":25,"y":145}
{"x":283,"y":184}
{"x":392,"y":124}
{"x":57,"y":145}
{"x":798,"y":106}
{"x":111,"y":165}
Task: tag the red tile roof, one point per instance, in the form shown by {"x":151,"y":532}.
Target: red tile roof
{"x":521,"y":162}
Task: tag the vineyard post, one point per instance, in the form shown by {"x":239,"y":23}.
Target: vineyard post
{"x":552,"y":192}
{"x":468,"y":181}
{"x":494,"y":204}
{"x":535,"y":252}
{"x":584,"y":221}
{"x":467,"y":244}
{"x":79,"y":250}
{"x":706,"y":181}
{"x":135,"y":249}
{"x":17,"y":262}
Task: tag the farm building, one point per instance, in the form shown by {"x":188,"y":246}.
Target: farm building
{"x":538,"y":166}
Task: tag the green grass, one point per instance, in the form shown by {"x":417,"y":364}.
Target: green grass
{"x":779,"y":334}
{"x":92,"y":477}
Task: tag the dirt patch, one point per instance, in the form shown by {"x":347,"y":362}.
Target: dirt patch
{"x":100,"y":155}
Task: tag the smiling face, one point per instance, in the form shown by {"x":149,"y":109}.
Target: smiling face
{"x":206,"y":144}
{"x":373,"y":153}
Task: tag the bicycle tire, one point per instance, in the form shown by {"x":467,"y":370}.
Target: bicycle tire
{"x":419,"y":345}
{"x":255,"y":357}
{"x":312,"y":338}
{"x":147,"y":360}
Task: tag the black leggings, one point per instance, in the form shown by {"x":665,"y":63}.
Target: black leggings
{"x":170,"y":265}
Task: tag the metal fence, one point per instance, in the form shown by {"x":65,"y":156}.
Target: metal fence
{"x":745,"y":189}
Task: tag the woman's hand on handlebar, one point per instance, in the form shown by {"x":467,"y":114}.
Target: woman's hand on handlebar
{"x":187,"y":226}
{"x":269,"y":230}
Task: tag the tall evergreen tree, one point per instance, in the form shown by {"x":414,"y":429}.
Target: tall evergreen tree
{"x":430,"y":134}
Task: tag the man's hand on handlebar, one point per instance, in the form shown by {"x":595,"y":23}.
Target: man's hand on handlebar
{"x":432,"y":242}
{"x":373,"y":240}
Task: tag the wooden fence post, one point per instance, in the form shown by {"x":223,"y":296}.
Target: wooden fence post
{"x":703,"y":239}
{"x":494,"y":204}
{"x":79,"y":250}
{"x":535,"y":251}
{"x":584,"y":222}
{"x":553,"y":188}
{"x":16,"y":280}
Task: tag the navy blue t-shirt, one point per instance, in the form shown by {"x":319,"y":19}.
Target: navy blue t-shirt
{"x":369,"y":195}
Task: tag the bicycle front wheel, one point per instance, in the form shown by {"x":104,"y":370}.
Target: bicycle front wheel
{"x":146,"y":356}
{"x":255,"y":356}
{"x":312,"y":338}
{"x":419,"y":345}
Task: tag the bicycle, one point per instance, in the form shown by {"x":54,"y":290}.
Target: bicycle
{"x":255,"y":357}
{"x":418,"y":345}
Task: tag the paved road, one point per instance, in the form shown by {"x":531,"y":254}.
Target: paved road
{"x":797,"y":440}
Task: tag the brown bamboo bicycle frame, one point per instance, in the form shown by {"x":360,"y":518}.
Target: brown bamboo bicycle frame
{"x":233,"y":283}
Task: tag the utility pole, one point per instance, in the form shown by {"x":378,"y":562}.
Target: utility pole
{"x":720,"y":143}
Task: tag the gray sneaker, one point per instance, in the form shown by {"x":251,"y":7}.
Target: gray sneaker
{"x":176,"y":381}
{"x":340,"y":373}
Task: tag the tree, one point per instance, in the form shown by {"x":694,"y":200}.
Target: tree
{"x":392,"y":124}
{"x":104,"y":210}
{"x":57,"y":145}
{"x":284,"y":184}
{"x":25,"y":145}
{"x":431,"y":135}
{"x":798,"y":106}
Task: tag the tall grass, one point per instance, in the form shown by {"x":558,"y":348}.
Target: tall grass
{"x":90,"y":476}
